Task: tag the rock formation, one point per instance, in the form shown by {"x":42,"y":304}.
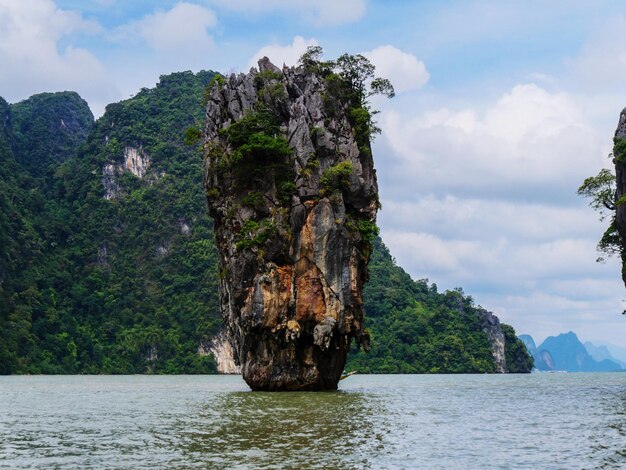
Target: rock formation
{"x":292,"y":190}
{"x":491,"y":326}
{"x":619,"y":152}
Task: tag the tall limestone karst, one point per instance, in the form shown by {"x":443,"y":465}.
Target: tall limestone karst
{"x":293,"y":194}
{"x":619,"y":152}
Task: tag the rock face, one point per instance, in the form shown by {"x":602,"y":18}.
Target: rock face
{"x":491,"y":326}
{"x":293,"y":193}
{"x":620,"y":175}
{"x":135,"y":160}
{"x":222,"y":350}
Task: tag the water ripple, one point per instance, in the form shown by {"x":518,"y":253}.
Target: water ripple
{"x":456,"y":421}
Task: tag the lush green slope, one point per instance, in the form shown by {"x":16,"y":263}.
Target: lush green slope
{"x":108,"y":263}
{"x":124,"y":285}
{"x":48,"y":128}
{"x":416,"y":329}
{"x":30,"y":218}
{"x":145,"y":296}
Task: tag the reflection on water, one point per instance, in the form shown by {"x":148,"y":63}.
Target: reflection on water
{"x":303,"y":429}
{"x":456,"y":421}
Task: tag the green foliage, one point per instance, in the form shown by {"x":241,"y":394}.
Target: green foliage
{"x":619,"y":150}
{"x":367,"y":229}
{"x":285,"y":191}
{"x":311,"y":59}
{"x":47,"y":128}
{"x":337,"y":177}
{"x":350,"y":80}
{"x":601,"y":190}
{"x":517,"y":357}
{"x":262,"y":78}
{"x":254,"y":234}
{"x":192,"y":136}
{"x":358,"y":72}
{"x":262,"y":148}
{"x":253,"y":199}
{"x":610,"y":242}
{"x":415,"y":329}
{"x":256,"y":149}
{"x":255,"y":140}
{"x":261,"y":122}
{"x":216,"y":80}
{"x":127,"y":285}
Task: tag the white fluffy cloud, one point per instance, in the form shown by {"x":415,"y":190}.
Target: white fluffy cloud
{"x":32,"y":60}
{"x":321,"y":12}
{"x":528,"y":141}
{"x":486,"y":199}
{"x":280,"y":55}
{"x":404,"y":70}
{"x":182,"y":28}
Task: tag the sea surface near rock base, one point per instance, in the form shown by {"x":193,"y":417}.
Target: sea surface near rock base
{"x":382,"y":421}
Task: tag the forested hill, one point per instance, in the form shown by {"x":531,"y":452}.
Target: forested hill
{"x":108,"y":264}
{"x":48,"y":128}
{"x":416,"y":329}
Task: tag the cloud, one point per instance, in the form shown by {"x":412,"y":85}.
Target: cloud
{"x":32,"y":59}
{"x":320,"y":12}
{"x":403,"y":69}
{"x":280,"y":55}
{"x":602,"y":58}
{"x":543,"y":313}
{"x":487,"y":219}
{"x":182,"y":28}
{"x":529,"y":142}
{"x":485,"y":198}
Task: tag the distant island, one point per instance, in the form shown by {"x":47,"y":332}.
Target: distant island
{"x":566,"y":352}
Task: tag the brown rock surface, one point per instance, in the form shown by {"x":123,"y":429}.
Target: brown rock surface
{"x":293,"y":248}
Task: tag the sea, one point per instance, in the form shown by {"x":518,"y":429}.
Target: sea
{"x":531,"y":421}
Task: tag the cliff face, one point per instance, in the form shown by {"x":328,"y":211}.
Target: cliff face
{"x":293,"y":193}
{"x":620,"y":175}
{"x":491,"y":326}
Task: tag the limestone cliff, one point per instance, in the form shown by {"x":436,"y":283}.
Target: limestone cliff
{"x":292,"y":189}
{"x":620,"y":190}
{"x":491,"y":326}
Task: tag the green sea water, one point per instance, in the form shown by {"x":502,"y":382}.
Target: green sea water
{"x":538,"y":421}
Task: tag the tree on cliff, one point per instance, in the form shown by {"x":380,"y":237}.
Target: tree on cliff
{"x":606,"y":191}
{"x":601,"y":190}
{"x":350,"y":78}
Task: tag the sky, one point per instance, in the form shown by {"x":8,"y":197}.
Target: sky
{"x":502,"y":110}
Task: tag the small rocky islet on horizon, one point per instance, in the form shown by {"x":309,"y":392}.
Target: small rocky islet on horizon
{"x":110,"y":264}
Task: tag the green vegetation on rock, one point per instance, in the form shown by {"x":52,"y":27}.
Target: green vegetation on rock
{"x":337,"y":177}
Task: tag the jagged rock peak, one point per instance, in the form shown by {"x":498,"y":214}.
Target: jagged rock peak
{"x":619,"y":151}
{"x":620,"y":132}
{"x":292,"y":189}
